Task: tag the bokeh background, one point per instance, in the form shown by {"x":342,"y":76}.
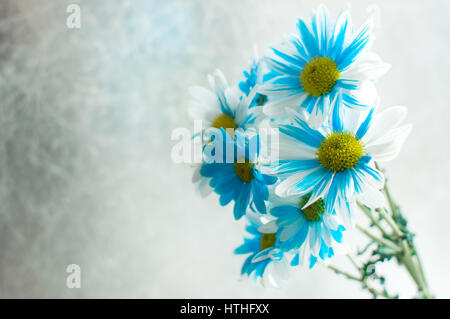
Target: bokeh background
{"x":86,"y":115}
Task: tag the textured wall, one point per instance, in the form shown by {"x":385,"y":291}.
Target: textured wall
{"x":85,"y":122}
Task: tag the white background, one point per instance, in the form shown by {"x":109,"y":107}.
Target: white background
{"x":85,"y":121}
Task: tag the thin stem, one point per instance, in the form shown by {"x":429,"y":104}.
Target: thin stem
{"x":372,"y":218}
{"x":376,"y":292}
{"x":363,"y":281}
{"x":381,"y":241}
{"x":344,"y":273}
{"x":419,"y":262}
{"x":352,"y":260}
{"x":414,"y":267}
{"x":390,"y":222}
{"x":415,"y":270}
{"x":392,"y":204}
{"x":406,"y":259}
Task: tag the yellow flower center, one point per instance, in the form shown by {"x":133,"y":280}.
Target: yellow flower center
{"x":268,"y":240}
{"x":340,"y":150}
{"x":224,"y":121}
{"x":313,"y":211}
{"x":319,"y":76}
{"x":244,"y":171}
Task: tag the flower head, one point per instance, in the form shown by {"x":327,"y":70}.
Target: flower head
{"x":325,"y":57}
{"x":232,"y":164}
{"x":223,"y":107}
{"x":304,"y":228}
{"x":336,"y":163}
{"x":266,"y":262}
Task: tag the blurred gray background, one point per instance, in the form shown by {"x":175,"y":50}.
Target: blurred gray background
{"x":85,"y":121}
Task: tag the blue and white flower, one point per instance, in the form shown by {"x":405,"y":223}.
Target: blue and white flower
{"x":305,"y":231}
{"x":324,"y":58}
{"x":267,"y":262}
{"x":220,"y":107}
{"x":337,"y":162}
{"x":224,"y":106}
{"x":236,"y":176}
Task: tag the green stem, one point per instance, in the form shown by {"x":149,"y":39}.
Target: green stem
{"x":401,"y":246}
{"x":372,"y":218}
{"x":413,"y":265}
{"x":344,"y":273}
{"x":380,"y":241}
{"x":364,"y":282}
{"x":406,"y":257}
{"x":390,"y":222}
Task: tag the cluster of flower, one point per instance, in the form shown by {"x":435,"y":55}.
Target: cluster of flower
{"x":316,"y":88}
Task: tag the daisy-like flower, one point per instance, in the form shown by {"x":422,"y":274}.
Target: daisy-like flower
{"x":220,"y":107}
{"x":236,"y":176}
{"x":223,"y":107}
{"x":267,"y":262}
{"x":337,"y":162}
{"x":324,"y":58}
{"x":306,"y":231}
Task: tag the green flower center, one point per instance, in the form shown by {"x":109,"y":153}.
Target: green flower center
{"x":313,"y":211}
{"x":224,"y":121}
{"x":340,"y":150}
{"x":244,"y":171}
{"x":319,"y":76}
{"x":268,"y":240}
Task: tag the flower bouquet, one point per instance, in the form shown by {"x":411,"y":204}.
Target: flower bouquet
{"x":297,"y":147}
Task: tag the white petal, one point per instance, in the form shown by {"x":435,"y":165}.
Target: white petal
{"x":268,"y":228}
{"x":344,"y":209}
{"x":255,"y":218}
{"x":301,"y":114}
{"x":241,"y":115}
{"x":291,"y":149}
{"x":290,"y":230}
{"x":276,"y":108}
{"x":314,"y":240}
{"x":326,"y":235}
{"x":384,"y":122}
{"x":279,"y":201}
{"x":352,"y":118}
{"x":283,"y":188}
{"x":365,"y":94}
{"x":343,"y":19}
{"x":368,"y":67}
{"x":203,"y":95}
{"x":317,"y":117}
{"x":305,"y":252}
{"x":271,"y":276}
{"x":367,"y":178}
{"x":262,"y":255}
{"x":371,"y":197}
{"x":387,"y":147}
{"x":218,"y":80}
{"x":330,"y":221}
